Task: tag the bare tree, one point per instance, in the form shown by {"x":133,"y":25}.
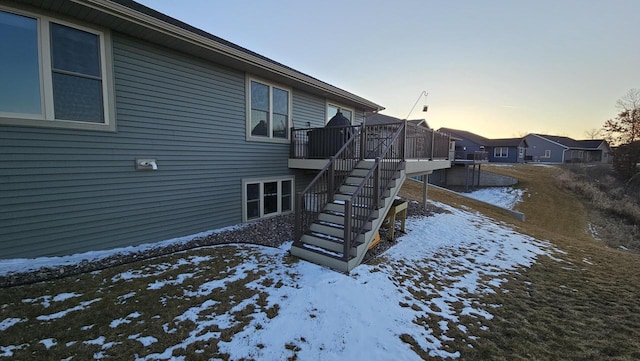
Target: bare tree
{"x":629,"y":101}
{"x":593,"y":133}
{"x":625,"y":128}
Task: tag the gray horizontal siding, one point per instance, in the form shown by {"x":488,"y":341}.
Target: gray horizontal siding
{"x":307,"y":110}
{"x":66,"y":191}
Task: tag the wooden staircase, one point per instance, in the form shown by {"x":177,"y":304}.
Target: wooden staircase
{"x":324,"y":241}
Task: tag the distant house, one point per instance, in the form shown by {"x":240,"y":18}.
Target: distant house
{"x":469,"y":145}
{"x":377,"y":118}
{"x":120,"y":125}
{"x":557,"y":149}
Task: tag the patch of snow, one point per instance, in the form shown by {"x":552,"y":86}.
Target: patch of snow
{"x":123,"y":298}
{"x":8,"y":322}
{"x":96,"y":341}
{"x":506,"y":197}
{"x":47,"y":299}
{"x":145,"y":341}
{"x":80,"y":307}
{"x":461,"y":249}
{"x":126,"y":320}
{"x":49,"y":342}
{"x":156,"y":285}
{"x":7,"y":351}
{"x":586,"y":260}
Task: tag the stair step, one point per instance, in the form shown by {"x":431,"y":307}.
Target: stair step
{"x":335,"y":217}
{"x":330,"y":243}
{"x":324,"y":258}
{"x":338,"y":206}
{"x":331,"y":229}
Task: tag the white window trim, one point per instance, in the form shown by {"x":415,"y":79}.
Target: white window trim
{"x":47,"y":118}
{"x":261,"y":181}
{"x":339,"y":106}
{"x":269,"y":138}
{"x":547,"y":153}
{"x":502,"y":154}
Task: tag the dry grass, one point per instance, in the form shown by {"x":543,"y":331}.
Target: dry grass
{"x":616,"y":216}
{"x":585,"y":307}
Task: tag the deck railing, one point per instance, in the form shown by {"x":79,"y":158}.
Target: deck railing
{"x":312,"y":200}
{"x":425,"y":143}
{"x":367,"y":196}
{"x":322,"y":143}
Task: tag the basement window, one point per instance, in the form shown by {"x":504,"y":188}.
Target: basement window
{"x":268,"y":197}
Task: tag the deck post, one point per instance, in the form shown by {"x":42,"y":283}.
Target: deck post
{"x":425,"y":187}
{"x":347,"y":230}
{"x":298,"y":219}
{"x":331,"y":180}
{"x":363,"y":141}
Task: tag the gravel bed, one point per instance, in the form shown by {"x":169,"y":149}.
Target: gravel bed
{"x":271,"y":232}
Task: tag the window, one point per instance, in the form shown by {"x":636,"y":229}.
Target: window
{"x":267,"y":198}
{"x":520,"y":152}
{"x":333,"y":109}
{"x":54,"y":74}
{"x":500,"y":152}
{"x":547,"y":153}
{"x":269,"y":111}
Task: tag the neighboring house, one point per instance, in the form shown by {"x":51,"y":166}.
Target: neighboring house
{"x":120,"y":126}
{"x":557,"y":149}
{"x":377,"y":118}
{"x":469,"y":145}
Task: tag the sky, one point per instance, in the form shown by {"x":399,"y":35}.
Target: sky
{"x":497,"y":68}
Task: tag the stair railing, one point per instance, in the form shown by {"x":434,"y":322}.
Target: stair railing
{"x":321,"y":190}
{"x":366,"y":198}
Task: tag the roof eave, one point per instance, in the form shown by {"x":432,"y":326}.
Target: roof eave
{"x":249,"y":60}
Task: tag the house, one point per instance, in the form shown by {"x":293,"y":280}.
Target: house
{"x":559,"y":149}
{"x":470,"y":146}
{"x":120,"y":126}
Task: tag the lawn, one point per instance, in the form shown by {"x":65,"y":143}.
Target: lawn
{"x":469,"y":283}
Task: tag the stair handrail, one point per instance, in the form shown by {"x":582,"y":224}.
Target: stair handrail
{"x":350,"y":155}
{"x":354,"y":223}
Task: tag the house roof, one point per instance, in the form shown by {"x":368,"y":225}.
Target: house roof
{"x":134,"y":19}
{"x":377,"y":118}
{"x":570,"y":143}
{"x":508,"y":142}
{"x":465,"y":135}
{"x":480,"y":140}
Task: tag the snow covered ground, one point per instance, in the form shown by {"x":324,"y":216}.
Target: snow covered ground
{"x":506,"y":197}
{"x":427,"y":291}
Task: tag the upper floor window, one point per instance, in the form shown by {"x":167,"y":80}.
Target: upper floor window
{"x":333,"y":109}
{"x":269,"y":111}
{"x":547,"y":153}
{"x":500,"y":152}
{"x":54,"y":74}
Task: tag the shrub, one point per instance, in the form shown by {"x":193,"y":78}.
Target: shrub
{"x":625,"y":160}
{"x":618,"y":206}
